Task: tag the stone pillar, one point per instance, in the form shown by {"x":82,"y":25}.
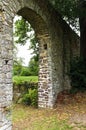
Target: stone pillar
{"x":45,"y":96}
{"x":5,"y":70}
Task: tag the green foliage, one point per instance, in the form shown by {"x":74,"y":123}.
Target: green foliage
{"x":26,"y":99}
{"x":31,"y":98}
{"x":21,"y":29}
{"x":26,"y":86}
{"x":24,"y":31}
{"x":25,"y":71}
{"x":17,"y":67}
{"x":23,"y":86}
{"x":78,"y":74}
{"x":71,"y":11}
{"x":68,"y":9}
{"x":34,"y":44}
{"x":31,"y":70}
{"x":33,"y":66}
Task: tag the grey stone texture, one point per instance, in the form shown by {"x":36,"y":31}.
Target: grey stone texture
{"x":58,"y":45}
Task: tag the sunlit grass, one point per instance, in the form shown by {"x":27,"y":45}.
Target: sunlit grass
{"x":22,"y":79}
{"x":28,"y":118}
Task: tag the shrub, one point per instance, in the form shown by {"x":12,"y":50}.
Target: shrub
{"x":33,"y":67}
{"x":78,"y":74}
{"x":26,"y":99}
{"x":31,"y":98}
{"x":25,"y":71}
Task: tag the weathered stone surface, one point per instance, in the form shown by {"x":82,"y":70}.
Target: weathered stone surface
{"x":57,"y":43}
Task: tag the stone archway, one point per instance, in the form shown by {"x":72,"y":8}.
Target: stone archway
{"x":42,"y":34}
{"x":58,"y":44}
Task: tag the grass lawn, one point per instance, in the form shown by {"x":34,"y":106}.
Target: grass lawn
{"x":19,"y":79}
{"x":27,"y":118}
{"x":70,"y":114}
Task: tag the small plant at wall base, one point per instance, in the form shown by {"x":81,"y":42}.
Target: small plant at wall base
{"x":78,"y":75}
{"x":30,"y":98}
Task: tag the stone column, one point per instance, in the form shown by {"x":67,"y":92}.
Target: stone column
{"x":45,"y":96}
{"x":6,"y":60}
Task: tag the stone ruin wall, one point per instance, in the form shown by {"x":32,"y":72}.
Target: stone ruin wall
{"x":58,"y":44}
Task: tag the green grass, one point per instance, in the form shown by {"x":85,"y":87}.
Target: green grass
{"x":52,"y":124}
{"x":22,"y":79}
{"x":27,"y":118}
{"x":64,"y":117}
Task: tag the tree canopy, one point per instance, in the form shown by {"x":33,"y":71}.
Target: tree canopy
{"x":68,"y":9}
{"x":21,"y":29}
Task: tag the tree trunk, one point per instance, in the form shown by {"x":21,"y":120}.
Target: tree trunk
{"x":83,"y":37}
{"x":82,"y":21}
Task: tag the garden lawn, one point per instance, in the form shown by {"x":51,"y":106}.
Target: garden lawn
{"x":21,"y":79}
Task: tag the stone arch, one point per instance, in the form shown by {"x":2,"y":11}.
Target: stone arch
{"x":42,"y":34}
{"x":55,"y":40}
{"x":8,"y":9}
{"x":35,"y":20}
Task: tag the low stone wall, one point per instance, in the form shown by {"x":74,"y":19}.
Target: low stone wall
{"x":19,"y":90}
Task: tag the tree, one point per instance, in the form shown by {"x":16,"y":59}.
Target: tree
{"x":33,"y":67}
{"x":35,"y":47}
{"x":20,"y":31}
{"x":82,"y":21}
{"x":17,"y":66}
{"x":68,"y":9}
{"x":73,"y":10}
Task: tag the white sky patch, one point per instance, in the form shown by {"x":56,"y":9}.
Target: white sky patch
{"x":24,"y":53}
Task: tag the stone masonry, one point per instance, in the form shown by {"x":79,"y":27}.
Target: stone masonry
{"x":58,"y":45}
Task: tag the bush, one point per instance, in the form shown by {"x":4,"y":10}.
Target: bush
{"x":31,"y":98}
{"x":25,"y":71}
{"x":78,"y":74}
{"x":33,"y":67}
